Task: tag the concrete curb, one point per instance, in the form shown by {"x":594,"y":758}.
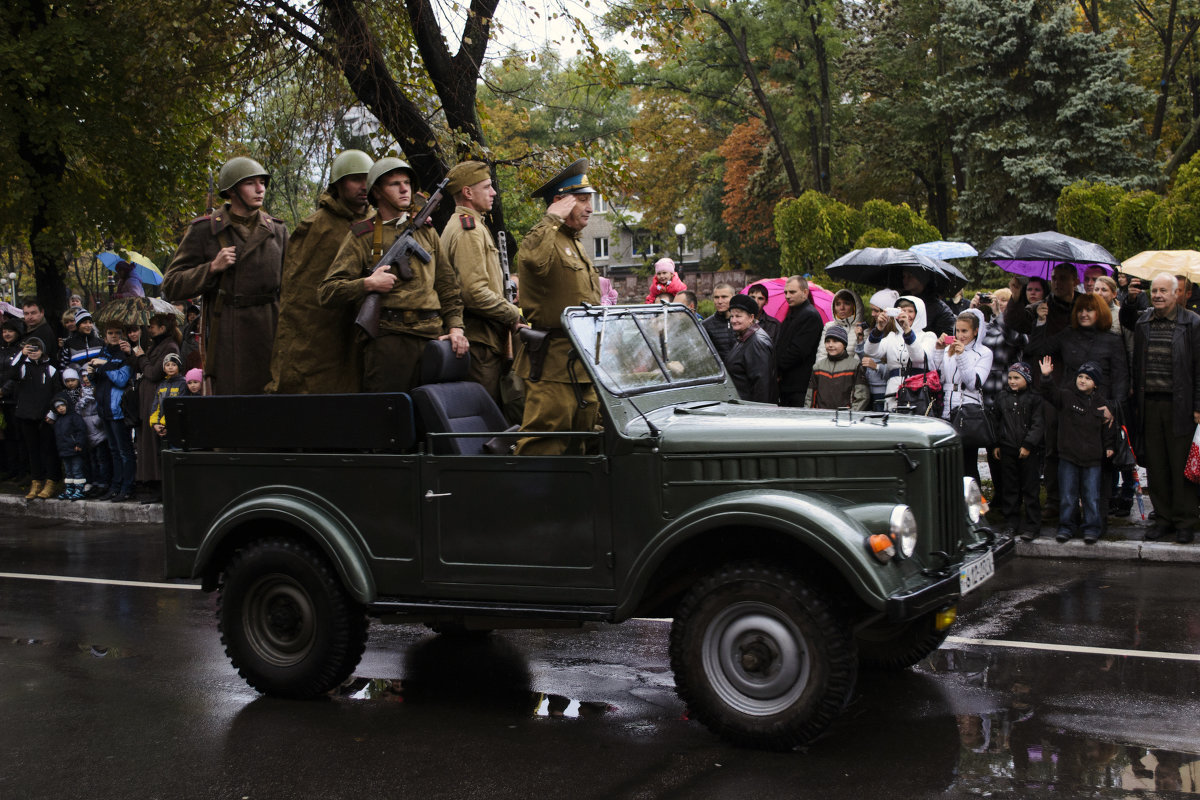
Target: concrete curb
{"x":82,"y":510}
{"x":1126,"y":550}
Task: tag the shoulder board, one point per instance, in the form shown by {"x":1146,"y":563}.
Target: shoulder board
{"x":276,"y":220}
{"x":364,"y":227}
{"x":199,"y":219}
{"x":468,"y":222}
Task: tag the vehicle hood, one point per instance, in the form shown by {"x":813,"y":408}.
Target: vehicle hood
{"x":735,"y":427}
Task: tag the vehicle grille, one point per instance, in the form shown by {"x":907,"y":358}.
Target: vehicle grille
{"x":949,"y":515}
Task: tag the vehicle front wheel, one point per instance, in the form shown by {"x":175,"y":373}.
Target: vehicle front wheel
{"x":287,"y":624}
{"x":761,"y":658}
{"x":899,"y":645}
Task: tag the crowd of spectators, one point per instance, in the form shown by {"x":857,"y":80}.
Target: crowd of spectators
{"x":82,"y":413}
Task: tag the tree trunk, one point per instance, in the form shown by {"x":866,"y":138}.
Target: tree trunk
{"x":824,"y":103}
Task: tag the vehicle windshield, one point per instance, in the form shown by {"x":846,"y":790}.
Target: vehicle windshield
{"x":636,"y":349}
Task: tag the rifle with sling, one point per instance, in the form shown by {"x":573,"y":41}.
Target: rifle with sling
{"x":396,"y":259}
{"x":510,"y":288}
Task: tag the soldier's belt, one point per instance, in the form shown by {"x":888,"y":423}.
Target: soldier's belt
{"x":247,"y":300}
{"x":406,"y":316}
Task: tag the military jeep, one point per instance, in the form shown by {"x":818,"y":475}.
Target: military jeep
{"x":789,"y":546}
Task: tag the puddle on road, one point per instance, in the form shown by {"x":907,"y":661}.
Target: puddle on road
{"x":1099,"y":722}
{"x":536,"y":704}
{"x":93,"y":650}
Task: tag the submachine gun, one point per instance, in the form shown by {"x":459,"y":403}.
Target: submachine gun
{"x":396,"y":260}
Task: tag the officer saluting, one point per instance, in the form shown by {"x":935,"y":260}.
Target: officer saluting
{"x":233,"y":258}
{"x":468,"y":245}
{"x":420,"y":305}
{"x":555,"y":273}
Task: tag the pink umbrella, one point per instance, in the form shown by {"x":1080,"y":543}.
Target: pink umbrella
{"x":822,"y":298}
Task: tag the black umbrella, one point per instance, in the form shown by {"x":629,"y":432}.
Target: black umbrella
{"x":1037,"y":254}
{"x":884,"y":266}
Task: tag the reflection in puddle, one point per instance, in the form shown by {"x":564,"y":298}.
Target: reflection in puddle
{"x":93,"y":650}
{"x":1093,"y":723}
{"x":536,"y":704}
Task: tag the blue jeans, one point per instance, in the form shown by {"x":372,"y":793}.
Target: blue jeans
{"x":73,"y":468}
{"x":1076,"y":483}
{"x":124,"y":459}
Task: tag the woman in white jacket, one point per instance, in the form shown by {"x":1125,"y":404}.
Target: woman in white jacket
{"x":898,"y":343}
{"x":964,"y":365}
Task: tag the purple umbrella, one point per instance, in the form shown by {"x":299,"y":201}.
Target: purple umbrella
{"x":1037,"y":254}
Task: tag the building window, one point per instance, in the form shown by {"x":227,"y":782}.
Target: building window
{"x":598,"y":204}
{"x":601,"y":247}
{"x":643,"y":244}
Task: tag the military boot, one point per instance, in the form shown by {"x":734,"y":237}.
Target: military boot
{"x":34,"y":489}
{"x":49,"y":490}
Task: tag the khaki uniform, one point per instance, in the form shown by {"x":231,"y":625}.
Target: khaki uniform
{"x":413,"y":312}
{"x":554,"y":274}
{"x":240,"y":304}
{"x":315,"y":349}
{"x":468,"y":245}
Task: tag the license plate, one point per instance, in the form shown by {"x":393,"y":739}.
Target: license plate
{"x":976,"y":573}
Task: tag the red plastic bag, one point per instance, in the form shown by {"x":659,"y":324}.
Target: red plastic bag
{"x":1192,"y":471}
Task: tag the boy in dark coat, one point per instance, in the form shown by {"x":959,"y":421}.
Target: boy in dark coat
{"x":1019,"y":425}
{"x":1085,"y":440}
{"x":71,"y":434}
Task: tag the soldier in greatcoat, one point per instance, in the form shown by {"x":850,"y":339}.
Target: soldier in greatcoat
{"x":488,"y":318}
{"x":421,"y":304}
{"x":315,"y":349}
{"x":233,"y":259}
{"x":556,"y":273}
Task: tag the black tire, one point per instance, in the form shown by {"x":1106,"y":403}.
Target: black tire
{"x":287,"y":624}
{"x":761,"y":658}
{"x":899,"y":645}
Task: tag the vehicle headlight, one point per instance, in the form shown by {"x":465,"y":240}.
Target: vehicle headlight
{"x":903,"y":529}
{"x":974,"y":498}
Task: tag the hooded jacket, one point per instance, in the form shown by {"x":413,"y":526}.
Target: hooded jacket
{"x":900,"y":354}
{"x":849,"y":324}
{"x":1018,"y":420}
{"x":963,"y":375}
{"x":70,"y":432}
{"x":35,"y":383}
{"x":1083,"y":433}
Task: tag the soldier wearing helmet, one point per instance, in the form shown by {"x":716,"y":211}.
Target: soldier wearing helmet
{"x":422,"y":304}
{"x":233,"y":259}
{"x":315,"y":351}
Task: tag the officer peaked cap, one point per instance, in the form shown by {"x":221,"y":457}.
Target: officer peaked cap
{"x":572,"y":180}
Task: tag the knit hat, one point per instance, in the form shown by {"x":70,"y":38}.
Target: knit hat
{"x":173,"y":357}
{"x":885,"y":298}
{"x":36,"y":342}
{"x":82,"y":314}
{"x":194,"y":374}
{"x":837,"y":332}
{"x":1022,"y":369}
{"x":746,"y":303}
{"x":70,"y":374}
{"x":1091,"y":369}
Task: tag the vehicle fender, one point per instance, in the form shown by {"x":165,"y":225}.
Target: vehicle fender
{"x":307,"y":512}
{"x":835,"y":534}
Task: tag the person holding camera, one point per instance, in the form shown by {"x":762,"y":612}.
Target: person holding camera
{"x":111,"y":373}
{"x":898,"y":343}
{"x":34,"y":382}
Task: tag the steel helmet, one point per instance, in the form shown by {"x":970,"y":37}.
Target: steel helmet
{"x":351,"y":162}
{"x":385,"y":165}
{"x":236,"y":170}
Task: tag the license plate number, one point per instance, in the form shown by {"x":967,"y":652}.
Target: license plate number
{"x":975,"y":573}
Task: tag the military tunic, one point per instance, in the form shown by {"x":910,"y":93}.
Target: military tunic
{"x":240,"y":304}
{"x":414,"y":311}
{"x":488,"y":318}
{"x":555,"y":274}
{"x":315,"y":350}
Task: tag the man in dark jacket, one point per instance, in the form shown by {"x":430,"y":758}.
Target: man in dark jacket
{"x":38,"y":326}
{"x":749,"y":362}
{"x":1166,"y":381}
{"x":717,"y":326}
{"x":799,"y":337}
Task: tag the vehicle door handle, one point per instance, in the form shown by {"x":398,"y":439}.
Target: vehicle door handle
{"x":430,"y":495}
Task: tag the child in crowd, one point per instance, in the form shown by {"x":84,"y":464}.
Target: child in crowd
{"x":837,"y":378}
{"x":35,"y":381}
{"x":1019,"y":426}
{"x":98,"y":466}
{"x":1085,"y":440}
{"x":195,"y":380}
{"x":172,"y":385}
{"x":70,"y":433}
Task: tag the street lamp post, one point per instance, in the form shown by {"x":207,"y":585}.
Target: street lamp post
{"x":680,"y":232}
{"x":12,"y":285}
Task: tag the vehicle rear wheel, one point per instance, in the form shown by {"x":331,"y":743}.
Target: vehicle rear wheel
{"x":761,"y":658}
{"x":899,"y":645}
{"x":287,"y":624}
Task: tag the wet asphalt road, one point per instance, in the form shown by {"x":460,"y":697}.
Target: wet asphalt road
{"x":124,"y":691}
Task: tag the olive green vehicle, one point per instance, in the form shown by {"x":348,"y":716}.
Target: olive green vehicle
{"x":790,"y":547}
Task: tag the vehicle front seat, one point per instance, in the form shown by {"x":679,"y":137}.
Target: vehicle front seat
{"x":449,"y":403}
